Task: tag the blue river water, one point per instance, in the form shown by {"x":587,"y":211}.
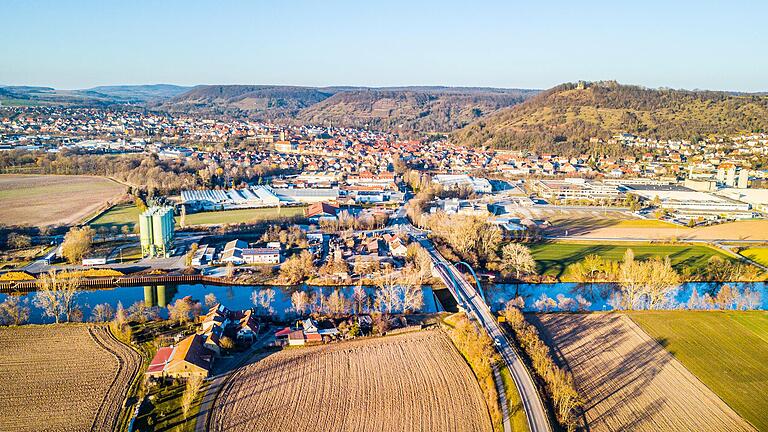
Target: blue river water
{"x":241,"y":296}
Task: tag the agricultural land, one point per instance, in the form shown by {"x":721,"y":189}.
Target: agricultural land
{"x":757,"y":254}
{"x":127,"y":214}
{"x":63,"y":377}
{"x":41,"y":200}
{"x":628,"y":380}
{"x":726,"y":350}
{"x":414,"y":381}
{"x":554,"y":258}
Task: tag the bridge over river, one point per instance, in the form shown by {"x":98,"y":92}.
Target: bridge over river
{"x":471,"y":300}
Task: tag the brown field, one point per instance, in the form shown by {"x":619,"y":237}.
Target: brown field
{"x":741,"y":230}
{"x":41,"y":200}
{"x":63,"y":377}
{"x":629,"y":381}
{"x":414,"y":381}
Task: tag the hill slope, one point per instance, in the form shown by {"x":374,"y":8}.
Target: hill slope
{"x":261,"y":101}
{"x":564,"y":118}
{"x":396,"y":108}
{"x":411,"y":108}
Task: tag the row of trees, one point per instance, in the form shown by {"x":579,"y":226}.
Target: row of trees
{"x":147,"y":171}
{"x":594,"y":268}
{"x":559,"y":383}
{"x":347,"y":221}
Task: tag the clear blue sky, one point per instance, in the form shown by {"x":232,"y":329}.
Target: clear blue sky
{"x":528,"y":44}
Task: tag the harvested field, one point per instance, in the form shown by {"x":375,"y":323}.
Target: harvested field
{"x":741,"y":230}
{"x":41,"y":200}
{"x":414,"y":381}
{"x":629,"y":381}
{"x":63,"y":377}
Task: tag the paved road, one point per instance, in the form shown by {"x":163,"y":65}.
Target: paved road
{"x":468,"y":298}
{"x":223,"y":370}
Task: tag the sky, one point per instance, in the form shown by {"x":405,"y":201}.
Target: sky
{"x":718,"y":45}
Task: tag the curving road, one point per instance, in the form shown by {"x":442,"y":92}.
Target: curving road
{"x":468,"y":298}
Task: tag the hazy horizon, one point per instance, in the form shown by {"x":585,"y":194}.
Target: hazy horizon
{"x":86,"y":43}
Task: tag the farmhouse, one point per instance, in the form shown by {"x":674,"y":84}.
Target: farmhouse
{"x":190,"y":357}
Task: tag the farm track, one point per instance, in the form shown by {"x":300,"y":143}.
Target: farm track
{"x":63,"y":378}
{"x":629,"y":381}
{"x":414,"y":381}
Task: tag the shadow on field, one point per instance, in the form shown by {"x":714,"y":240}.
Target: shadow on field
{"x":582,"y":225}
{"x":611,"y":366}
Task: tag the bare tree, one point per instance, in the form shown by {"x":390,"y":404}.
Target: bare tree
{"x":57,"y":295}
{"x":360,"y":299}
{"x":120,"y":316}
{"x":14,"y":310}
{"x":194,"y":384}
{"x":337,"y":303}
{"x":413,"y":298}
{"x":388,"y":296}
{"x":300,"y":302}
{"x":181,"y":310}
{"x":518,"y":259}
{"x":230,"y":270}
{"x":263,"y":300}
{"x":211,"y":300}
{"x":102,"y":312}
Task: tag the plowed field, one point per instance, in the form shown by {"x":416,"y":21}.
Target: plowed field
{"x":629,"y":381}
{"x":410,"y":382}
{"x":63,"y":378}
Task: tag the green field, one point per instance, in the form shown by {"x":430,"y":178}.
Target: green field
{"x":242,"y":215}
{"x":128,"y":214}
{"x":119,"y":215}
{"x":554,"y":258}
{"x":757,"y":254}
{"x":727,"y":351}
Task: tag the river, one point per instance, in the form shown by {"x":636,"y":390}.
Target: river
{"x":240,"y":296}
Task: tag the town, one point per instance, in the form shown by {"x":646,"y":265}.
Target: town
{"x":384,"y":216}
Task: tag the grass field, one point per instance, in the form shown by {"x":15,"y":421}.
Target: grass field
{"x":727,"y":351}
{"x":629,"y":381}
{"x":63,"y":377}
{"x":554,"y":258}
{"x":162,"y":410}
{"x":757,"y":254}
{"x":242,"y":215}
{"x":414,"y":381}
{"x":127,"y":215}
{"x":41,"y":200}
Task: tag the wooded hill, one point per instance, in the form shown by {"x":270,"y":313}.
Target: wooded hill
{"x":424,"y":109}
{"x":564,"y":118}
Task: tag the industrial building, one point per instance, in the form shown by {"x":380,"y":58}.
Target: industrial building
{"x":156,"y":227}
{"x":209,"y":199}
{"x":457,"y":181}
{"x":682,"y":199}
{"x":577,"y":188}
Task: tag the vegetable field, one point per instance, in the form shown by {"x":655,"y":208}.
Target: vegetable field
{"x":414,"y":381}
{"x":63,"y":377}
{"x":628,"y":380}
